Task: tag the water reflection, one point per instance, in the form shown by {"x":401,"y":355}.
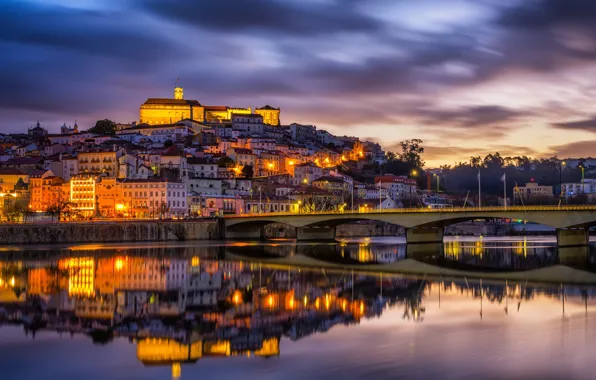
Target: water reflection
{"x":181,"y":305}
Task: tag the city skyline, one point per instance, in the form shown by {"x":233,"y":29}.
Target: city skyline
{"x":468,"y":77}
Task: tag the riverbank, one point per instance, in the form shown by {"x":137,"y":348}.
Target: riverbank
{"x":108,"y":232}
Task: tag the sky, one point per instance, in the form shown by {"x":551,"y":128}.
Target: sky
{"x":468,"y":77}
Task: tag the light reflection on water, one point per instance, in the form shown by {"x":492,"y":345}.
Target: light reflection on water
{"x":309,"y":323}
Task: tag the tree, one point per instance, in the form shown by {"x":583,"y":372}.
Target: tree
{"x":105,"y":127}
{"x":247,"y":171}
{"x":226,"y":162}
{"x":411,"y":151}
{"x":58,"y":207}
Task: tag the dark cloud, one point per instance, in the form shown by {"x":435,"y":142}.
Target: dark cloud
{"x":473,"y":116}
{"x":575,"y":149}
{"x":271,"y":16}
{"x":330,"y":63}
{"x":584,"y":125}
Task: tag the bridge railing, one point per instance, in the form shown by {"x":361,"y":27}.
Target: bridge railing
{"x":423,"y":211}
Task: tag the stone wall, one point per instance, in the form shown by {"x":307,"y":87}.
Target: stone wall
{"x":278,"y":230}
{"x":104,"y":232}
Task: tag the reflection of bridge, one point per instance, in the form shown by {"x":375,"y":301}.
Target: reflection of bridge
{"x":422,"y":225}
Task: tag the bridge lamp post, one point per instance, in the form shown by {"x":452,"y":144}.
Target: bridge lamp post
{"x":438,"y":179}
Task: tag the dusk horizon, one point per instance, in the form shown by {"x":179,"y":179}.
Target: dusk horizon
{"x":469,"y":78}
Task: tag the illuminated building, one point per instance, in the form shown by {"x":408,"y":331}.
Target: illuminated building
{"x":9,"y":177}
{"x":81,"y":275}
{"x":242,"y":157}
{"x":217,"y":348}
{"x":306,"y":173}
{"x":164,"y":351}
{"x":109,"y":197}
{"x":44,"y":190}
{"x":99,"y":161}
{"x":270,"y":114}
{"x":39,"y":281}
{"x":157,"y":111}
{"x":83,"y":193}
{"x":167,"y":111}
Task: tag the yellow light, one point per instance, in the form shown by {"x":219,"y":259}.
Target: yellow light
{"x":195,"y":261}
{"x":317,"y":303}
{"x":361,"y":307}
{"x":1,"y":282}
{"x":305,"y":180}
{"x":343,"y":158}
{"x":326,"y":159}
{"x":343,"y":305}
{"x":176,"y":371}
{"x":270,"y":165}
{"x":292,"y":162}
{"x":237,"y":298}
{"x":12,"y":281}
{"x":291,"y":303}
{"x":270,"y":301}
{"x":119,"y":207}
{"x":119,"y":264}
{"x":305,"y":300}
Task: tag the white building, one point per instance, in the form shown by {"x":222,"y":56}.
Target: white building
{"x":573,"y":189}
{"x":306,"y":173}
{"x":201,"y":168}
{"x":252,"y":124}
{"x":154,"y":198}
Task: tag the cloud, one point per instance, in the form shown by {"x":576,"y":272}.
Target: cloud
{"x":472,"y":116}
{"x":266,"y":16}
{"x":575,"y":149}
{"x":585,"y":125}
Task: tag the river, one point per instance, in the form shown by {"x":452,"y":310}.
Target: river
{"x":238,"y":309}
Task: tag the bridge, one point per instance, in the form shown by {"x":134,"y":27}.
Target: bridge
{"x":423,"y":226}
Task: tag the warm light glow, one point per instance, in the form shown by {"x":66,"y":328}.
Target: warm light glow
{"x":12,"y":281}
{"x":305,"y":180}
{"x":176,"y":371}
{"x":119,"y":207}
{"x":119,"y":264}
{"x":291,"y":162}
{"x":1,"y":282}
{"x":270,"y":166}
{"x":317,"y":303}
{"x":195,"y":261}
{"x":305,"y":300}
{"x":270,"y":301}
{"x":291,"y":303}
{"x":237,"y":297}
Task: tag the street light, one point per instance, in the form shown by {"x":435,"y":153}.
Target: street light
{"x":438,"y":178}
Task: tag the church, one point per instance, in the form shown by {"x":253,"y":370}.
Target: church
{"x":167,"y":111}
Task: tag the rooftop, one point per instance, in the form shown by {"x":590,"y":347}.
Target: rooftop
{"x":173,"y":102}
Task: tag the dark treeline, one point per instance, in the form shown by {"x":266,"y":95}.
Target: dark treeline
{"x":462,"y":177}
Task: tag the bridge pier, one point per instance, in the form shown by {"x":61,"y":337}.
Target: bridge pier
{"x":424,"y":243}
{"x":424,"y":235}
{"x":315,"y":233}
{"x":572,"y":246}
{"x":245,"y":232}
{"x":572,"y":237}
